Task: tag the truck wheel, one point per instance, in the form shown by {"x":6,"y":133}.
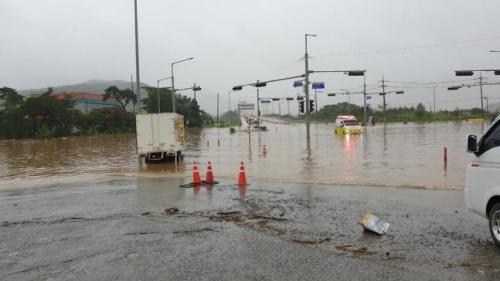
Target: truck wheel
{"x":495,"y":223}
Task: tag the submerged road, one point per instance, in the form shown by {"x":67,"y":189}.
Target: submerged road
{"x":148,"y":228}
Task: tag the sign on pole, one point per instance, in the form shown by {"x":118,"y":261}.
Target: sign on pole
{"x":298,"y":83}
{"x":318,"y":85}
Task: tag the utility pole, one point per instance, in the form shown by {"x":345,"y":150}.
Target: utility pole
{"x":288,"y":105}
{"x":306,"y":86}
{"x":364,"y":98}
{"x":487,"y":106}
{"x":481,"y":92}
{"x":383,"y":96}
{"x":217,"y":110}
{"x":194,"y":91}
{"x":138,"y":86}
{"x":279,"y":106}
{"x":434,"y":95}
{"x":348,"y":102}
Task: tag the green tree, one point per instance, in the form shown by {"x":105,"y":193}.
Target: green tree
{"x":123,"y":97}
{"x":12,"y":122}
{"x":49,"y":115}
{"x":10,"y":98}
{"x":106,"y":120}
{"x":185,"y":106}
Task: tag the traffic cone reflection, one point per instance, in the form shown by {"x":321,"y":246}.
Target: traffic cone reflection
{"x":210,"y":175}
{"x":264,"y":150}
{"x":242,"y":180}
{"x":196,"y":174}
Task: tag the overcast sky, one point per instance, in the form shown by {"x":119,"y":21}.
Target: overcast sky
{"x":57,"y":42}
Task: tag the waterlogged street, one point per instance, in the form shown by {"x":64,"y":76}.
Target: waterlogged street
{"x":392,"y":155}
{"x":87,"y":209}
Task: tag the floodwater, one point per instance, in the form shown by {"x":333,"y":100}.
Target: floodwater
{"x":389,"y":155}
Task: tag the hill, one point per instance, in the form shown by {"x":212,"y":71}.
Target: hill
{"x":93,"y":86}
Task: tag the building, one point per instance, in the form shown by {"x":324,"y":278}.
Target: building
{"x":86,"y":102}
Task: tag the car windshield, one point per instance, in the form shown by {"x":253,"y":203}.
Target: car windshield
{"x":351,"y":123}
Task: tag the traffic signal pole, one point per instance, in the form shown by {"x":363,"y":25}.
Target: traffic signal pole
{"x":258,"y":107}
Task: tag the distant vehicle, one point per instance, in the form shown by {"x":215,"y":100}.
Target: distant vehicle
{"x":347,"y":124}
{"x":482,"y":184}
{"x":160,"y":136}
{"x":250,"y":123}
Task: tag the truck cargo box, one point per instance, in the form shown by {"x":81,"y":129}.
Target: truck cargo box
{"x":160,"y":134}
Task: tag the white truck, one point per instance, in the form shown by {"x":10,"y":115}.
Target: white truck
{"x":482,"y":183}
{"x":160,"y":136}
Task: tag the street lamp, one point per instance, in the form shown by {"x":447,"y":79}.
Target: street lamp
{"x":137,"y":74}
{"x":158,"y":90}
{"x":172,"y":75}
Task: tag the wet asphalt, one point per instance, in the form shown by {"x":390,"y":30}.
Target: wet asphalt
{"x":148,"y":228}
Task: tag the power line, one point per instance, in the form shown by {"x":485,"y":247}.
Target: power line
{"x":404,"y":49}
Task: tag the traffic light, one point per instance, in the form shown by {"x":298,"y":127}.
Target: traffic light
{"x":497,"y":72}
{"x":356,"y":73}
{"x":260,"y":84}
{"x":301,"y":106}
{"x":311,"y":106}
{"x":464,"y":73}
{"x":237,"y":88}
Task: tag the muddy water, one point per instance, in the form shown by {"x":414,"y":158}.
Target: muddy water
{"x":392,"y":155}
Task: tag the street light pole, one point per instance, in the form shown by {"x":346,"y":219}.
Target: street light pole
{"x":173,"y":84}
{"x":158,"y":90}
{"x":138,"y":81}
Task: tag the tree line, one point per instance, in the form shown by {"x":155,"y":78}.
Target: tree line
{"x":46,"y":116}
{"x":419,"y":113}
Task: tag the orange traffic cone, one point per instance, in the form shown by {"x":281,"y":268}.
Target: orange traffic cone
{"x":210,"y":174}
{"x":196,"y":174}
{"x":264,"y":150}
{"x":242,"y":181}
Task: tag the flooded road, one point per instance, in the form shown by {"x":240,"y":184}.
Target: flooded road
{"x":391,"y":155}
{"x":87,"y":209}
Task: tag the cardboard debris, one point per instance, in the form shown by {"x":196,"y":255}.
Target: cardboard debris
{"x":373,"y":223}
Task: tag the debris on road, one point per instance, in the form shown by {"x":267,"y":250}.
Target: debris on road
{"x":171,"y":211}
{"x":374,"y":224}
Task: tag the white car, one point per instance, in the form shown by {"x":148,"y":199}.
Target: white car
{"x":482,"y":184}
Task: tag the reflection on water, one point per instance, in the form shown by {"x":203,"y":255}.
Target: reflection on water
{"x":392,"y":154}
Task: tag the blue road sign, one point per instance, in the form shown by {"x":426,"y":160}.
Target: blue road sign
{"x":300,"y":98}
{"x":318,"y":85}
{"x":368,"y":97}
{"x":298,"y":83}
{"x":265,"y":101}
